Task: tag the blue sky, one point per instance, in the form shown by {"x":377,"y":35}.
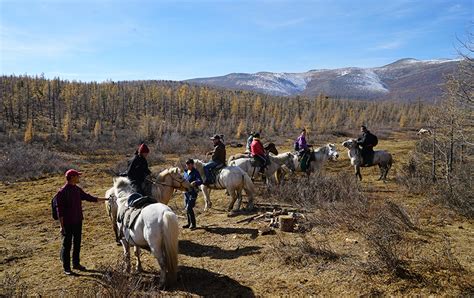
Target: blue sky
{"x":126,"y":40}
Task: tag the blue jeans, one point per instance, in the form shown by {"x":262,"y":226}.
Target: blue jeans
{"x":208,"y":167}
{"x":190,"y":202}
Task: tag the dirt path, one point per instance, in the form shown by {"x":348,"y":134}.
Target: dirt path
{"x":222,"y":257}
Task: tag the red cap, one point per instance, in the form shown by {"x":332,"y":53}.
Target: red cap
{"x":143,"y":149}
{"x":71,"y":173}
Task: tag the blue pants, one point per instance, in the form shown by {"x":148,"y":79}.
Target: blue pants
{"x":190,"y":202}
{"x":208,"y":167}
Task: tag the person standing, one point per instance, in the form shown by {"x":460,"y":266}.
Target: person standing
{"x":138,"y":169}
{"x":69,"y":209}
{"x":192,"y":175}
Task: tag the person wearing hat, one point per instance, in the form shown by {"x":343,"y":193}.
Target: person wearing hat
{"x":303,"y":150}
{"x":69,"y":209}
{"x":249,"y":142}
{"x":258,"y":152}
{"x":367,"y":141}
{"x":192,"y":175}
{"x":138,"y":169}
{"x":218,"y":157}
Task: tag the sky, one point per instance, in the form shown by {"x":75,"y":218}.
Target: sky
{"x":175,"y":40}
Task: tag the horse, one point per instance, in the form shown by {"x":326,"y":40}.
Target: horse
{"x":231,"y":178}
{"x":162,"y":191}
{"x":318,"y":159}
{"x":156,"y":229}
{"x":381,"y":158}
{"x":424,"y":131}
{"x":275,"y":163}
{"x":269,"y":148}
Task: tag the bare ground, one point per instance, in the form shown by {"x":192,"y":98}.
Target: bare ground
{"x":222,"y":257}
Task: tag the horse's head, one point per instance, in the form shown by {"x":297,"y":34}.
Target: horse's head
{"x":349,"y":144}
{"x":290,"y":161}
{"x":332,"y":152}
{"x":122,"y":188}
{"x":172,"y":177}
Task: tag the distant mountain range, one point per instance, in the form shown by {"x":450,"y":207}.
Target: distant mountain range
{"x":405,"y":80}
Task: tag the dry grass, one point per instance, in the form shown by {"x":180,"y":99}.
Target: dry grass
{"x":431,"y":245}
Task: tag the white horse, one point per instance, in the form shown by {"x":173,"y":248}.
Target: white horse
{"x":162,"y":190}
{"x":231,"y":178}
{"x":276,"y":161}
{"x":156,"y":228}
{"x":381,"y":158}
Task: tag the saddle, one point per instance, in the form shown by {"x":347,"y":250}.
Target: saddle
{"x":128,"y":217}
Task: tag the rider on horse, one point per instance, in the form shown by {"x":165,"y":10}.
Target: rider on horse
{"x":258,"y":153}
{"x":303,"y":150}
{"x":138,"y":169}
{"x":367,"y":141}
{"x":217,"y":159}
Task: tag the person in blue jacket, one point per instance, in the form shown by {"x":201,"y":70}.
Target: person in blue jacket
{"x":192,"y":175}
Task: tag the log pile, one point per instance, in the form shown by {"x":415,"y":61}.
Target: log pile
{"x":284,"y":217}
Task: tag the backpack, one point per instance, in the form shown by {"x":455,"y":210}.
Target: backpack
{"x":54,"y":207}
{"x":373,"y":140}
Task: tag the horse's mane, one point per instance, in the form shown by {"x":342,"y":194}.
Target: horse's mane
{"x":123,"y":188}
{"x":162,"y":174}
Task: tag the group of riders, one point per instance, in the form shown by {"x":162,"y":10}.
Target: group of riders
{"x":69,"y":197}
{"x":138,"y":170}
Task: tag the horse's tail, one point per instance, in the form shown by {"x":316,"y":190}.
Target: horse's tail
{"x":170,"y":244}
{"x":248,"y":185}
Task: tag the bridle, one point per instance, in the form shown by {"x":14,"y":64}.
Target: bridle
{"x":180,"y":181}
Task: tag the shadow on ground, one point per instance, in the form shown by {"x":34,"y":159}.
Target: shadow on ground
{"x":203,"y":282}
{"x":226,"y":231}
{"x":197,"y":250}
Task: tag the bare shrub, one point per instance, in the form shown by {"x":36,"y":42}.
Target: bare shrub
{"x":20,"y":162}
{"x":333,"y":200}
{"x":303,"y":252}
{"x":176,"y":143}
{"x":116,"y":282}
{"x":12,"y":286}
{"x":384,"y":233}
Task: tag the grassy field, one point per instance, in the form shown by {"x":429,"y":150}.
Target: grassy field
{"x":222,"y":257}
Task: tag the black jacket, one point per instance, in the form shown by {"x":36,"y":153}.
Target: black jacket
{"x":366,"y":140}
{"x":138,"y":169}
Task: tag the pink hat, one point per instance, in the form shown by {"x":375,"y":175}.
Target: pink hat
{"x":71,"y":173}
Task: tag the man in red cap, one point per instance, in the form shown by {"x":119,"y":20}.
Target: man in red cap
{"x":138,"y":169}
{"x":69,"y":208}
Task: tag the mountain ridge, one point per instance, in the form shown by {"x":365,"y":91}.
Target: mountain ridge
{"x":406,"y":79}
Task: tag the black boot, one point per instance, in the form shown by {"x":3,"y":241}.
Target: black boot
{"x":192,"y":219}
{"x":189,"y":221}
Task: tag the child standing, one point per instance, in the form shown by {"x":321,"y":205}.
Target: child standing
{"x":193,"y":176}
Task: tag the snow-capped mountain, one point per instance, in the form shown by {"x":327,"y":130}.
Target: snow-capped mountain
{"x":406,"y":79}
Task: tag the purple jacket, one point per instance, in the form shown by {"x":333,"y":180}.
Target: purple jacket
{"x":302,"y":143}
{"x":69,"y":200}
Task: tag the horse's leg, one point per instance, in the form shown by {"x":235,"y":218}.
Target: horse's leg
{"x":126,"y":253}
{"x":233,"y":198}
{"x":206,"y":192}
{"x":138,"y":267}
{"x":158,"y":253}
{"x":358,"y":174}
{"x":382,"y":170}
{"x":239,"y":199}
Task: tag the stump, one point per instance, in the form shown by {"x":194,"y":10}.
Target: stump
{"x":287,"y":223}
